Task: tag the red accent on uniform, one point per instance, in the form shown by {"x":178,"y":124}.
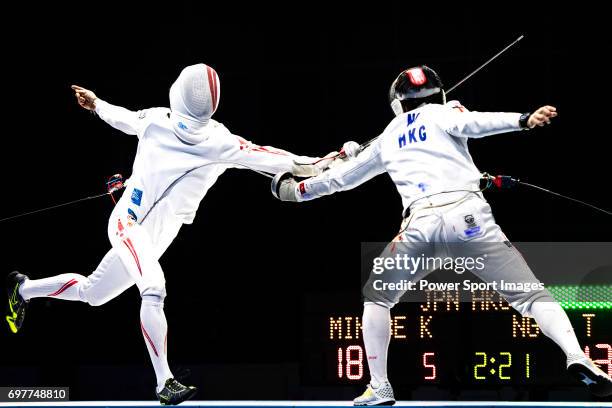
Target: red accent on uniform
{"x":302,"y":188}
{"x":416,"y":76}
{"x":212,"y":84}
{"x":144,"y":332}
{"x":130,"y":246}
{"x":266,"y":150}
{"x":243,"y":142}
{"x":119,"y":225}
{"x":65,"y":286}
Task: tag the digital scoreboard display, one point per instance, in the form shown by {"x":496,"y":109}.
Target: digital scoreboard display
{"x":476,"y":342}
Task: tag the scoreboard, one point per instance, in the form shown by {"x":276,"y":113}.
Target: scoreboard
{"x":477,"y":342}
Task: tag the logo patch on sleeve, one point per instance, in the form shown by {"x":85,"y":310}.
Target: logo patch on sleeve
{"x":136,"y":196}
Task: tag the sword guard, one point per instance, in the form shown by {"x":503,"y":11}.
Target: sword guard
{"x":114,"y":183}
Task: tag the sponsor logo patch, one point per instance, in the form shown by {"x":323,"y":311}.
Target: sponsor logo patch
{"x":472,"y":229}
{"x":136,"y":196}
{"x":132,"y":215}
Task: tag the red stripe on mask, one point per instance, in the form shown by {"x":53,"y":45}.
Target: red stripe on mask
{"x":212,"y":84}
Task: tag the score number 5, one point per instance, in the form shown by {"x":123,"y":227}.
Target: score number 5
{"x":353,"y":368}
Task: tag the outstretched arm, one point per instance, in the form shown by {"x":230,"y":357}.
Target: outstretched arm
{"x":462,"y":123}
{"x":120,"y":118}
{"x":272,"y":160}
{"x":344,"y":176}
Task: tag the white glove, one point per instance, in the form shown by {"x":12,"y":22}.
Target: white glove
{"x":307,"y":169}
{"x":350,"y":149}
{"x":284,"y":187}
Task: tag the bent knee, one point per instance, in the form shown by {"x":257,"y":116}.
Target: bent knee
{"x":387,"y":305}
{"x":154,"y":291}
{"x":522,"y":302}
{"x":95,"y":301}
{"x":89,"y":296}
{"x":382,"y":298}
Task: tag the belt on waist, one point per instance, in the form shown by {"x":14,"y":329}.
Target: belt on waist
{"x":442,"y":199}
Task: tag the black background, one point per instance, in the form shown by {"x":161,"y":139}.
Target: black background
{"x":304,"y":87}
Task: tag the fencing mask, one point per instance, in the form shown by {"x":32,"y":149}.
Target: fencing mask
{"x":194,"y":98}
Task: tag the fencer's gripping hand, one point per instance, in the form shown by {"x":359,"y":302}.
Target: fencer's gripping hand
{"x":542,"y":116}
{"x":85,"y":98}
{"x":284,"y":187}
{"x":349,"y":151}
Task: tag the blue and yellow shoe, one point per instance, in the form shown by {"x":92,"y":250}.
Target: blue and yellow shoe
{"x":174,"y":392}
{"x":16,"y":304}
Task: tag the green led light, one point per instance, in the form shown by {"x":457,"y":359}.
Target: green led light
{"x":590,"y":297}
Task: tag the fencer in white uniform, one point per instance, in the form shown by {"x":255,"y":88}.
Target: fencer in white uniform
{"x":181,"y":153}
{"x":424,"y":149}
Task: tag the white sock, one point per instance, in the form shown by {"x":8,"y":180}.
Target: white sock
{"x":65,"y":286}
{"x":554,"y":323}
{"x":154,"y":330}
{"x":376,"y":337}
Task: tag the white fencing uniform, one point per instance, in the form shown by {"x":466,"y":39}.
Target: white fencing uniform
{"x":181,"y":153}
{"x":425,"y":153}
{"x":172,"y":173}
